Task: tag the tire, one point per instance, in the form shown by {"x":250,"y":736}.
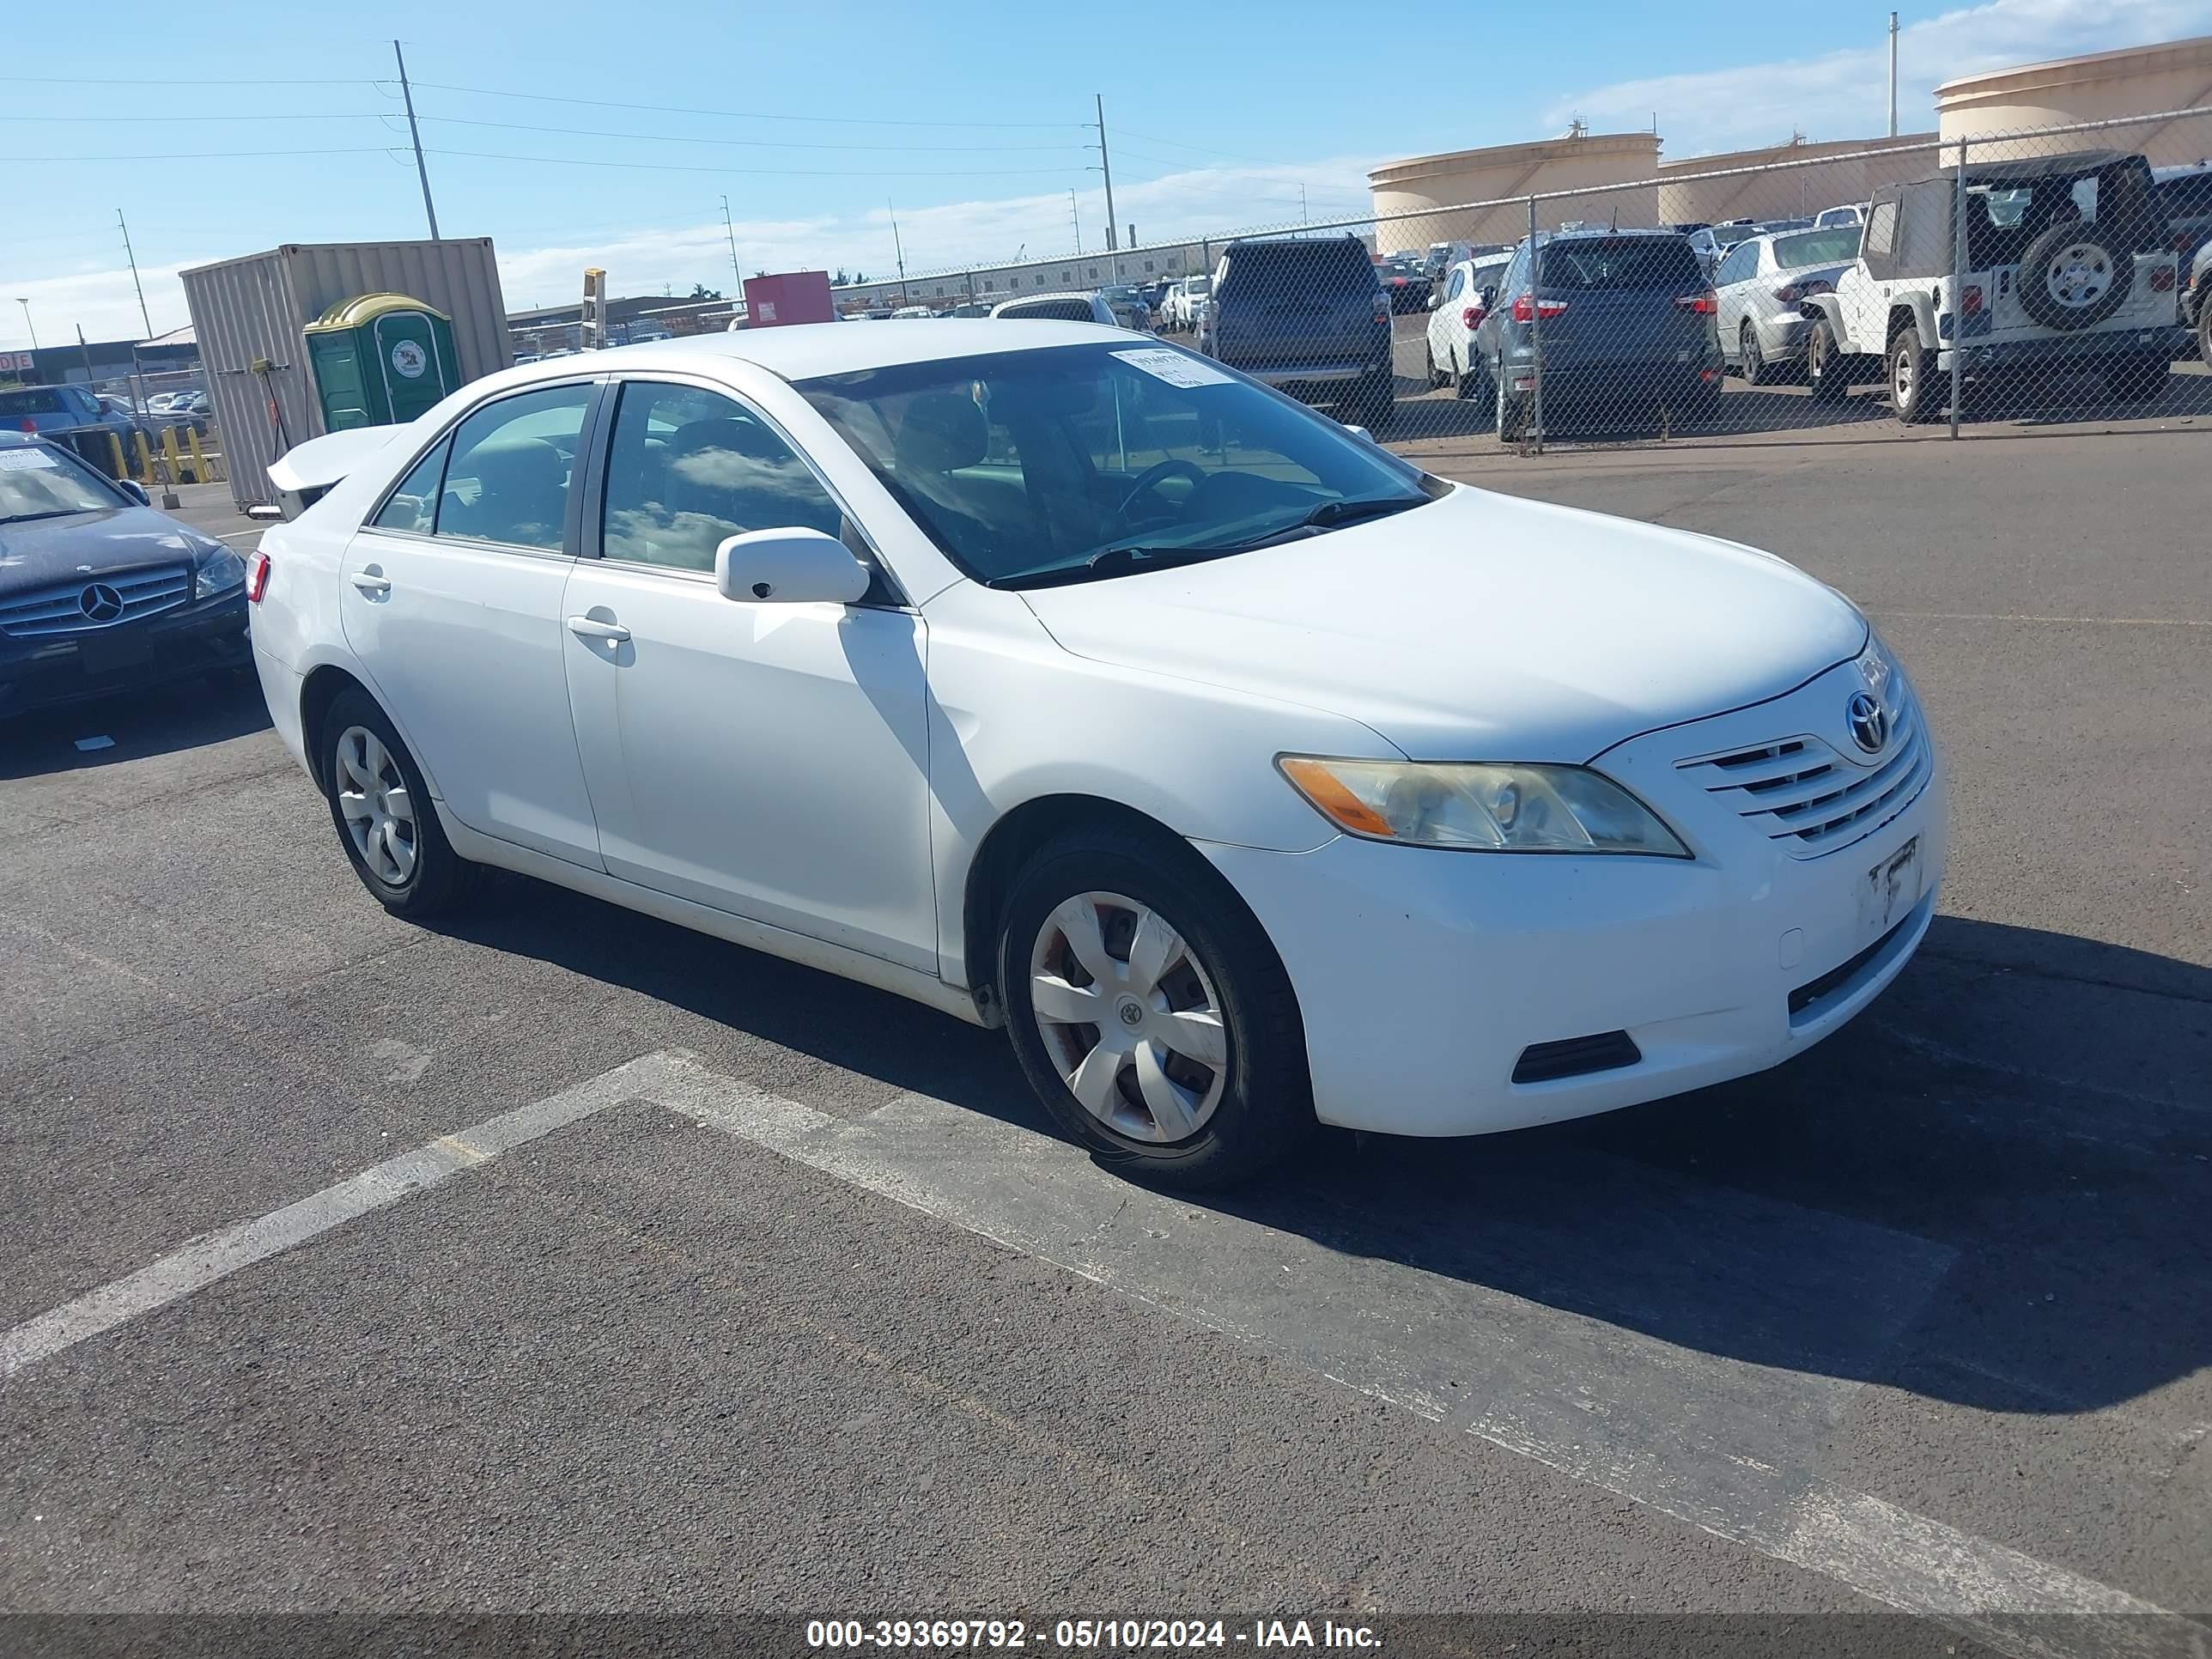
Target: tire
{"x":1514,"y":412}
{"x":1437,"y":376}
{"x":1913,"y":391}
{"x":1218,"y":1124}
{"x":1827,"y":370}
{"x":427,"y":879}
{"x":1473,"y":383}
{"x":1757,"y":371}
{"x":2135,"y":380}
{"x":2067,"y":263}
{"x":2204,"y":326}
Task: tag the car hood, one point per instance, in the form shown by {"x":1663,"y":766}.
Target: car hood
{"x":1481,"y":627}
{"x":42,"y":550}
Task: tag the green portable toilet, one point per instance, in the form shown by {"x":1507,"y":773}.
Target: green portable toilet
{"x":379,"y":359}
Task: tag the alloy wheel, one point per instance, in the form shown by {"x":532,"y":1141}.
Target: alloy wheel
{"x":374,"y":802}
{"x":1129,"y":1017}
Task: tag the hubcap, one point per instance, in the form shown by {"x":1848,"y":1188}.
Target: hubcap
{"x":373,"y":799}
{"x":1129,"y":1017}
{"x":1900,"y":377}
{"x":2078,"y":275}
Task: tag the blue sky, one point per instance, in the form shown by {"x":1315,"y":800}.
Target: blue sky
{"x":973,"y":121}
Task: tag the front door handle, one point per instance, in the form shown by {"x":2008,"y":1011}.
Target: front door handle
{"x":369,"y":583}
{"x":591,"y":628}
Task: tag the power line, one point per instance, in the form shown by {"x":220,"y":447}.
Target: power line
{"x":256,"y":115}
{"x":751,"y":172}
{"x":214,"y":154}
{"x":741,"y":114}
{"x":171,"y":83}
{"x":748,"y":143}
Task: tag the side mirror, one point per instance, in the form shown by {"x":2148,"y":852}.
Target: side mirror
{"x":788,"y":567}
{"x":134,"y":490}
{"x":1436,"y":298}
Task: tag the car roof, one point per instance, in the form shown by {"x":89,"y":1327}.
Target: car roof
{"x":2037,"y":166}
{"x":800,"y":351}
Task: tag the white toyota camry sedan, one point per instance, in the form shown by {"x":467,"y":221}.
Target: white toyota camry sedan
{"x":1065,"y":681}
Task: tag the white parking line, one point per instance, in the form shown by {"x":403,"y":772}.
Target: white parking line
{"x":1728,"y":1443}
{"x":218,"y":1255}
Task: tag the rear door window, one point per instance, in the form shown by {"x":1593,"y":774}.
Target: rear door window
{"x":1305,"y":270}
{"x":1643,"y":264}
{"x":513,"y":463}
{"x":31,"y":401}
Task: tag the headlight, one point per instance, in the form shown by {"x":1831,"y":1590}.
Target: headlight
{"x":217,"y":571}
{"x":1495,"y":809}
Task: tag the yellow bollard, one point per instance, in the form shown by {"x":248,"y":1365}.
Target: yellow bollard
{"x":115,"y":443}
{"x":169,"y":454}
{"x":145,"y":473}
{"x":200,"y":460}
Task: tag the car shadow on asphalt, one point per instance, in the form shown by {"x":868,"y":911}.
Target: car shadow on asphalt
{"x":1879,"y":1209}
{"x":158,"y":719}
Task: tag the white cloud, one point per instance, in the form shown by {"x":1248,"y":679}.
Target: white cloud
{"x":103,"y":302}
{"x":1844,"y":94}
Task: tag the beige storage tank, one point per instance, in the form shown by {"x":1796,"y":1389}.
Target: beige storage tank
{"x":2174,"y":75}
{"x":1504,"y":172}
{"x":1787,"y":192}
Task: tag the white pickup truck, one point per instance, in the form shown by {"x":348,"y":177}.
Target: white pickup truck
{"x":2067,"y":270}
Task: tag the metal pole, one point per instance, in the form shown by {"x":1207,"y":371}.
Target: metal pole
{"x":898,"y":248}
{"x":1959,"y":291}
{"x":1536,"y":333}
{"x":24,"y":301}
{"x":1076,"y":214}
{"x":1892,"y":75}
{"x":738,"y":274}
{"x":1106,"y":167}
{"x":407,"y":96}
{"x":133,"y":259}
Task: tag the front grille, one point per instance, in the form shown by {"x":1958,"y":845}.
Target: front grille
{"x":1544,"y":1062}
{"x":1805,"y":795}
{"x":59,"y":607}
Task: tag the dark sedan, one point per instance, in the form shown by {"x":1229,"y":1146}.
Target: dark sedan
{"x":99,"y":592}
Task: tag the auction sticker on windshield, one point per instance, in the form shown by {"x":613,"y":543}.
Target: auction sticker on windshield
{"x":22,"y":460}
{"x":1173,"y":367}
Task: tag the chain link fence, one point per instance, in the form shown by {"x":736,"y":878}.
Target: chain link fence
{"x":2054,"y":274}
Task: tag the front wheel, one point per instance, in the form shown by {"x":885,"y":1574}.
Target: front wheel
{"x":1915,"y":393}
{"x":1437,"y":376}
{"x":384,"y":815}
{"x":1149,"y":1012}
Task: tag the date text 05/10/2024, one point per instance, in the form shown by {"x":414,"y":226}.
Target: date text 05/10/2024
{"x":1088,"y":1635}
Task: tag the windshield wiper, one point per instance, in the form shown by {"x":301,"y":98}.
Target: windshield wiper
{"x":1141,"y":556}
{"x":50,"y":513}
{"x":1329,"y":514}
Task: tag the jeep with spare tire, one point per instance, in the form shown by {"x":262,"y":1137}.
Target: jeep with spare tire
{"x":2068,"y":269}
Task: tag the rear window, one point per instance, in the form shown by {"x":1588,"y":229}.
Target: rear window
{"x":33,"y":402}
{"x":1051,"y":311}
{"x":1641,"y":263}
{"x":2190,"y":198}
{"x":1305,"y":268}
{"x":1817,"y":247}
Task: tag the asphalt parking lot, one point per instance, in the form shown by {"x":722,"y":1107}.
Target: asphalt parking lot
{"x":682,"y":1279}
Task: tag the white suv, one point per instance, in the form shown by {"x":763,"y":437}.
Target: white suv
{"x":2068,"y":267}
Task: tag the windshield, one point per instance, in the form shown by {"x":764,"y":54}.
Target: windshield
{"x":1301,"y":271}
{"x":1817,"y":247}
{"x":1027,"y":466}
{"x":37,"y":483}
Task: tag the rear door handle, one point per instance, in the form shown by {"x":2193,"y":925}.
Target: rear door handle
{"x":369,"y":583}
{"x":590,"y":627}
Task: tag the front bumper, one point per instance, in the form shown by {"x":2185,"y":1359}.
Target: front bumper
{"x":2087,"y":351}
{"x":200,"y":638}
{"x":1424,"y":976}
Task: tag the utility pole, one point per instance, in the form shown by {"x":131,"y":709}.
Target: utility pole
{"x":1892,"y":75}
{"x":897,"y":248}
{"x":1076,"y":214}
{"x":1302,"y":203}
{"x":407,"y":94}
{"x":1106,"y":167}
{"x":135,"y":283}
{"x":732,"y":230}
{"x":24,"y":301}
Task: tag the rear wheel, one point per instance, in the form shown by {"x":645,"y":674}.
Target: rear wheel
{"x":384,"y":815}
{"x":2204,"y":327}
{"x":1151,"y":1014}
{"x":1437,"y":376}
{"x":1826,"y":368}
{"x":1757,"y":371}
{"x":1914,"y":391}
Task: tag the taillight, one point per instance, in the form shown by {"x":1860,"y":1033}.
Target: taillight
{"x":1382,"y":307}
{"x":1528,"y":309}
{"x":1472,"y":315}
{"x":2162,"y":279}
{"x":1790,"y":293}
{"x":1970,"y":300}
{"x":1703,"y":304}
{"x":257,"y":576}
{"x":28,"y":425}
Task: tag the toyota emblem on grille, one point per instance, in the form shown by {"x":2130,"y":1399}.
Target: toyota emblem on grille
{"x":1869,"y":725}
{"x":101,"y":602}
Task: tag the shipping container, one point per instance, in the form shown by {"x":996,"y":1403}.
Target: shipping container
{"x":251,"y":315}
